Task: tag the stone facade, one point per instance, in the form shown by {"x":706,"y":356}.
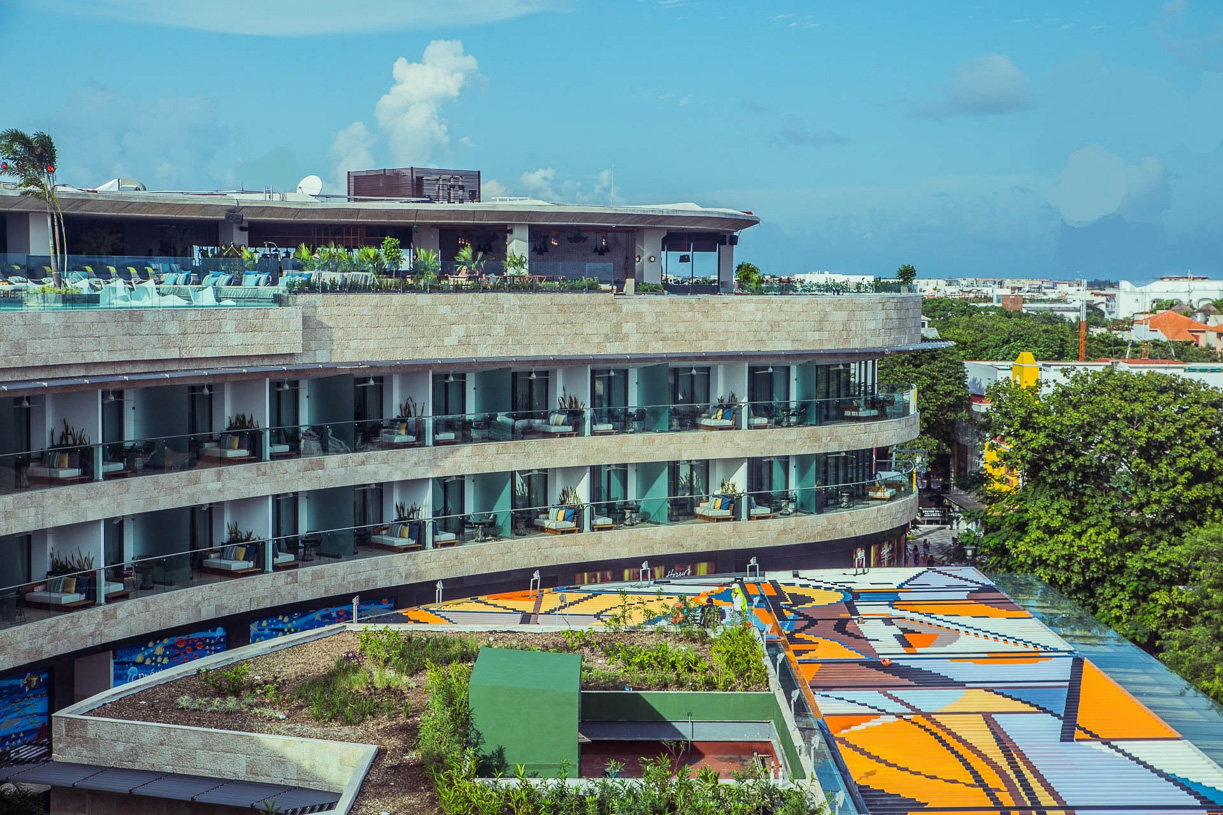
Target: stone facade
{"x":368,"y":328}
{"x":99,"y":626}
{"x":28,"y":511}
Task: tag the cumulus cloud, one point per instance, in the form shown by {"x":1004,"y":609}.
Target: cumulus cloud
{"x":351,"y":149}
{"x":409,"y":115}
{"x":168,"y":143}
{"x":303,"y":18}
{"x":492,"y":188}
{"x":410,"y":112}
{"x":794,"y":131}
{"x":981,"y":86}
{"x":545,"y":185}
{"x":1097,"y":183}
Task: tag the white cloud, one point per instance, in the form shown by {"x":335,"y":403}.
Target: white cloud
{"x":303,"y":18}
{"x":1097,"y":183}
{"x":167,"y":143}
{"x":409,"y":115}
{"x":410,"y":112}
{"x":351,"y":149}
{"x":982,"y":85}
{"x":543,"y":184}
{"x":492,"y":188}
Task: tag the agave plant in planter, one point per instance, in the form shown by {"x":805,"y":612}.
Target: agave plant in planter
{"x":425,"y":267}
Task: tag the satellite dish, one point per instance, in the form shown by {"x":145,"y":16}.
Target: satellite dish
{"x":310,"y":185}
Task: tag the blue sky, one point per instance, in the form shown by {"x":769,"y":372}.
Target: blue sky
{"x":968,"y":138}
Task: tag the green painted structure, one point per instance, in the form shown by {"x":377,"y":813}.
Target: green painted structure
{"x":525,"y":704}
{"x":679,"y":706}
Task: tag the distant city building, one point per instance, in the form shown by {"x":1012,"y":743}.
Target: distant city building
{"x":1193,"y":291}
{"x":833,"y":278}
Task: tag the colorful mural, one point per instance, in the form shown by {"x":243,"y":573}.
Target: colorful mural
{"x":24,"y":711}
{"x":271,"y":627}
{"x":941,"y":694}
{"x":137,"y":661}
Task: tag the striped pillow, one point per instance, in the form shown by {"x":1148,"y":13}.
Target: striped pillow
{"x":55,"y":585}
{"x":229,"y":553}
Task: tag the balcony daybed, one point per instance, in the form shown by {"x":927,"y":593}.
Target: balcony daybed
{"x":558,"y":423}
{"x":717,"y":508}
{"x":558,"y":521}
{"x":231,"y":447}
{"x":70,"y":592}
{"x":234,"y":560}
{"x":601,"y":523}
{"x":441,"y":538}
{"x":58,"y":467}
{"x":720,"y":418}
{"x":401,"y":536}
{"x":398,"y":433}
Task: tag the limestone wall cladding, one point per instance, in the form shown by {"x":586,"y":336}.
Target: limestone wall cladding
{"x":342,"y":328}
{"x":376,"y":327}
{"x":256,"y":757}
{"x":78,"y":503}
{"x":140,"y":616}
{"x":55,"y":344}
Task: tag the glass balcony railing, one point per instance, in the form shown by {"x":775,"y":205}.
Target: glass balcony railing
{"x":68,"y":465}
{"x":187,"y":568}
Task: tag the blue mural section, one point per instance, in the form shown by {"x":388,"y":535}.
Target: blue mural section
{"x":24,"y":709}
{"x":271,"y":627}
{"x":141,"y":660}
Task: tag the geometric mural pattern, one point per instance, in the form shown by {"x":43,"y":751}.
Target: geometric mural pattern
{"x":941,"y":694}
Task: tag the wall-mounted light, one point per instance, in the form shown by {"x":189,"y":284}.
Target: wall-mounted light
{"x":652,"y":258}
{"x":639,"y":258}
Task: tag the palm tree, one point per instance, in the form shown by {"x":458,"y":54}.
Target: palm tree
{"x":31,"y":158}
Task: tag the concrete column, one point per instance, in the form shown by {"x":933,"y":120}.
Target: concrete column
{"x":726,"y":266}
{"x":232,"y":233}
{"x":518,"y":241}
{"x":237,"y":634}
{"x":92,"y":675}
{"x":28,"y":233}
{"x":427,"y":237}
{"x":649,"y":249}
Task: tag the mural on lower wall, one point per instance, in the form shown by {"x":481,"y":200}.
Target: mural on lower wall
{"x":141,"y":660}
{"x":295,"y":622}
{"x":24,"y":710}
{"x":657,"y":572}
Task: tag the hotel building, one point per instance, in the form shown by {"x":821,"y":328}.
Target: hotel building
{"x":173,"y":468}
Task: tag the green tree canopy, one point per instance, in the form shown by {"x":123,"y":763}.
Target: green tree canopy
{"x":1116,"y":469}
{"x":906,"y":274}
{"x":942,"y":392}
{"x":747,"y":275}
{"x":1192,"y":641}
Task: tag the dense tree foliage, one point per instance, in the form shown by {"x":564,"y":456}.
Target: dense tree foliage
{"x":906,"y":274}
{"x":942,"y":392}
{"x":1117,"y":469}
{"x":989,"y":332}
{"x":1192,"y":640}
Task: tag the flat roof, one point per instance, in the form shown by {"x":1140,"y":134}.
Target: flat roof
{"x":942,"y":694}
{"x":304,"y":209}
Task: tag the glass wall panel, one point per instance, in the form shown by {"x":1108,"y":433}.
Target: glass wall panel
{"x":530,"y":389}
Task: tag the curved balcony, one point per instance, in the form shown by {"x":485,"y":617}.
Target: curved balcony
{"x":470,"y":450}
{"x":853,"y":512}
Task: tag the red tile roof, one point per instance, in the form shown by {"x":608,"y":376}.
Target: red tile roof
{"x":1175,"y":326}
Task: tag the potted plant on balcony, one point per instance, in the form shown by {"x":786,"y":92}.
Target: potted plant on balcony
{"x":425,"y":267}
{"x":569,"y":498}
{"x":70,"y":451}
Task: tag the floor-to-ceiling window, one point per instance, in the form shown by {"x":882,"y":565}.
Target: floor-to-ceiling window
{"x":608,"y":488}
{"x":449,"y":402}
{"x":687,"y":485}
{"x":366,"y":509}
{"x":199,"y":412}
{"x":286,"y":414}
{"x":284,"y":515}
{"x":450,"y":502}
{"x":609,"y":399}
{"x":530,"y":390}
{"x":689,"y":395}
{"x":14,"y":571}
{"x":768,"y":392}
{"x":367,"y":408}
{"x":530,"y":494}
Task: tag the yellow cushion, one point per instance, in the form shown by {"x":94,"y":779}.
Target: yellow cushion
{"x":70,"y":585}
{"x":560,"y":515}
{"x":716,"y":503}
{"x":240,"y":553}
{"x":233,"y":442}
{"x":718,"y":415}
{"x":62,"y":462}
{"x":403,"y":429}
{"x":405,"y":531}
